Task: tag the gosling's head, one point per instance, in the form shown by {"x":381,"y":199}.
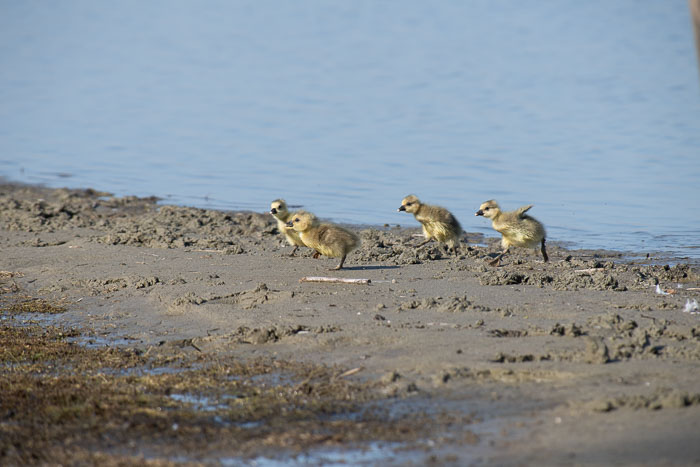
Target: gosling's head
{"x":278,"y":208}
{"x":410,"y":204}
{"x":302,"y":220}
{"x":489,"y":209}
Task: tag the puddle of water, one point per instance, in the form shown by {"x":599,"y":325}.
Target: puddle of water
{"x":205,"y":404}
{"x":29,"y":319}
{"x":375,"y":453}
{"x":94,"y":342}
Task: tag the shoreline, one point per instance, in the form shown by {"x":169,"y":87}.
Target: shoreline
{"x":483,"y":234}
{"x":575,"y":360}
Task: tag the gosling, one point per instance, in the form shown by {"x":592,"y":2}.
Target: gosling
{"x":327,"y":239}
{"x":516,"y":228}
{"x":278,"y":209}
{"x":438,"y":223}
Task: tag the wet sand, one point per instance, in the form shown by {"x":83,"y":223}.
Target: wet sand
{"x":575,"y":361}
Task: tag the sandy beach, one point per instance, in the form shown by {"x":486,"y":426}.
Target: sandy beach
{"x":197,"y":323}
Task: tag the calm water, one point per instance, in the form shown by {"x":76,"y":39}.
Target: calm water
{"x":589,"y":110}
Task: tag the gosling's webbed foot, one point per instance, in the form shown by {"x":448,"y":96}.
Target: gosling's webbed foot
{"x":294,"y":251}
{"x":316,"y":255}
{"x":497,"y":260}
{"x":339,"y":266}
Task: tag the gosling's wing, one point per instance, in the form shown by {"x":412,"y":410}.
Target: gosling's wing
{"x":522,"y":210}
{"x":454,"y":224}
{"x":440,"y":214}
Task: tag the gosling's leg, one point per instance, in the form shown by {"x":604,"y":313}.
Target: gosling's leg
{"x":316,"y":255}
{"x":423,"y":243}
{"x":498,"y":258}
{"x":296,"y":247}
{"x":340,"y":265}
{"x":544,"y":252}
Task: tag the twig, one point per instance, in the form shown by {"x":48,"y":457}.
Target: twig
{"x":350,"y":372}
{"x":341,"y":280}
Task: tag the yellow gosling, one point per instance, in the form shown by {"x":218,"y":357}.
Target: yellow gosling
{"x":327,"y":239}
{"x":438,"y":223}
{"x":278,"y":209}
{"x":515,"y":227}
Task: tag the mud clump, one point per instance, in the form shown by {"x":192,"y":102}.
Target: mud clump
{"x":566,"y":281}
{"x":250,"y":299}
{"x":522,"y":358}
{"x":246,"y":335}
{"x":184,"y":227}
{"x":508,"y":333}
{"x":596,"y":351}
{"x":571,"y":330}
{"x":660,"y":399}
{"x":625,"y":339}
{"x":114,"y":284}
{"x":456,"y":304}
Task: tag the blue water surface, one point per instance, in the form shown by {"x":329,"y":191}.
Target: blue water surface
{"x":588,"y":110}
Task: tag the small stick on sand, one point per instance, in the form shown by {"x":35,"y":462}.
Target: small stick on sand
{"x":350,"y":372}
{"x":340,"y":280}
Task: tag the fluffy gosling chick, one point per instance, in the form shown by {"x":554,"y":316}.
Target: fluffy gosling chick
{"x":278,"y":209}
{"x":438,"y":223}
{"x":327,"y":239}
{"x":515,"y":227}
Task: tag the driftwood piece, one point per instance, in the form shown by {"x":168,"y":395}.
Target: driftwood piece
{"x":338,"y":280}
{"x":350,"y":372}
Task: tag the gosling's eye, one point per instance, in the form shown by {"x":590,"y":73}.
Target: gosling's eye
{"x":408,"y":204}
{"x":296,"y":220}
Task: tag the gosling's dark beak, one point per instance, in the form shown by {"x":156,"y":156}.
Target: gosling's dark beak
{"x":289,"y":224}
{"x":479,"y":213}
{"x":273,"y":211}
{"x":402,"y":208}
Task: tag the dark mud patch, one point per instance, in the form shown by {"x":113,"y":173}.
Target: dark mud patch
{"x":36,"y":305}
{"x":454,"y":304}
{"x":67,"y":403}
{"x":14,"y":302}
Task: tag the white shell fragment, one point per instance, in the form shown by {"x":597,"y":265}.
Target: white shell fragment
{"x":691,"y":307}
